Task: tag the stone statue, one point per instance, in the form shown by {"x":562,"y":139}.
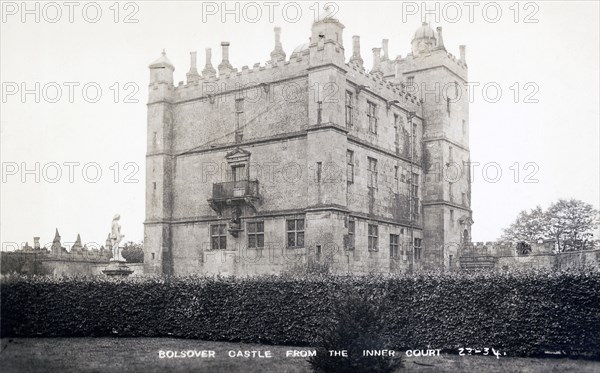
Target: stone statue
{"x":115,"y":238}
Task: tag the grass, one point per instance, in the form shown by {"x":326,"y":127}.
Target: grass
{"x":141,"y":355}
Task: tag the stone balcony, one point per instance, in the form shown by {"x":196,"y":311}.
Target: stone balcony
{"x":232,"y":193}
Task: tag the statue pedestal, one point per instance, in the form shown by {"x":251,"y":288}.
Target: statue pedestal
{"x":117,"y":269}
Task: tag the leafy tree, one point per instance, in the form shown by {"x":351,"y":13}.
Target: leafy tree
{"x":133,"y":252}
{"x":529,"y":227}
{"x":572,"y":223}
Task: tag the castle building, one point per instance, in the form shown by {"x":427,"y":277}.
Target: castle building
{"x":309,"y":158}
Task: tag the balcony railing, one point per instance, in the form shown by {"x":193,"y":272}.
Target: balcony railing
{"x":235,"y":189}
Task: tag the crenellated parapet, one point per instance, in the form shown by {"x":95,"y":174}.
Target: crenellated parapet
{"x":436,"y":59}
{"x":376,"y":83}
{"x":385,"y":78}
{"x":542,"y":247}
{"x":256,"y":77}
{"x":525,"y":255}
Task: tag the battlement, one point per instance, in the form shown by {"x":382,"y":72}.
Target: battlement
{"x":435,"y":59}
{"x":259,"y":74}
{"x":378,"y":84}
{"x":542,"y":247}
{"x":458,"y":61}
{"x":384,"y":79}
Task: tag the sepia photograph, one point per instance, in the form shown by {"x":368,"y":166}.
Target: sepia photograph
{"x":300,"y":186}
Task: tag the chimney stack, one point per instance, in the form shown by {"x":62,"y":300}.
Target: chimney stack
{"x":463,"y":54}
{"x":440,"y":39}
{"x":278,"y":52}
{"x":356,"y":58}
{"x":192,"y":75}
{"x":36,"y":243}
{"x":376,"y":60}
{"x":209,"y":71}
{"x":384,"y":46}
{"x":225,"y":67}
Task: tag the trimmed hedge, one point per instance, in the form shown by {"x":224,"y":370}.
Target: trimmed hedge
{"x":522,"y":313}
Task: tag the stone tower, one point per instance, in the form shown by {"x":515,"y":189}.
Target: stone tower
{"x":439,"y":79}
{"x":364,"y":170}
{"x":159,"y":166}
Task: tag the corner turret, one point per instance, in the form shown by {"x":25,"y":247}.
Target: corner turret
{"x":326,"y":40}
{"x":161,"y":70}
{"x":423,"y":40}
{"x":161,"y":78}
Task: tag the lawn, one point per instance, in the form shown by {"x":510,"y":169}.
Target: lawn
{"x":142,"y":355}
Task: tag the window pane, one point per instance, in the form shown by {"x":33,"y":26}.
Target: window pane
{"x":291,"y":225}
{"x":223,"y":243}
{"x":291,"y":242}
{"x":222,"y":229}
{"x":251,"y":240}
{"x":214,"y":230}
{"x":260,"y":240}
{"x":251,"y":227}
{"x":260,"y":226}
{"x":214,"y":243}
{"x":300,"y":239}
{"x":238,"y":173}
{"x":300,"y":224}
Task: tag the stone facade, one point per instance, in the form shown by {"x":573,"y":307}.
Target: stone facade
{"x":309,"y":158}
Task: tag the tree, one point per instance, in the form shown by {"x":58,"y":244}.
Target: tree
{"x":529,"y":227}
{"x":572,"y":223}
{"x":133,"y":252}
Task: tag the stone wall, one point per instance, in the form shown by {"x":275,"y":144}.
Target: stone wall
{"x":59,"y":268}
{"x":505,"y":256}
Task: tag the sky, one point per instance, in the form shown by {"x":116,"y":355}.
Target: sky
{"x":77,"y":157}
